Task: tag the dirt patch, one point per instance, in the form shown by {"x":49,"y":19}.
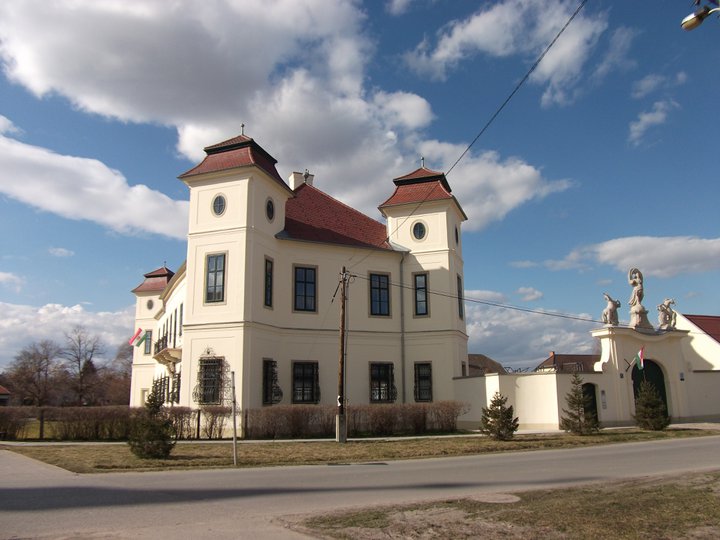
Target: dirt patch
{"x":435,"y":523}
{"x":683,"y":506}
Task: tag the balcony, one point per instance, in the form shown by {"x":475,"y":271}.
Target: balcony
{"x":164,"y":353}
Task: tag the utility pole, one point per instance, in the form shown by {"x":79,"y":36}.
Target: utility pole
{"x":340,"y":418}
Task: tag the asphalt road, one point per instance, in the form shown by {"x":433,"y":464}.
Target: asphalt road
{"x":41,"y":501}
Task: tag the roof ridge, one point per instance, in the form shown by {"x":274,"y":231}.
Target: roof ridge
{"x":355,"y":210}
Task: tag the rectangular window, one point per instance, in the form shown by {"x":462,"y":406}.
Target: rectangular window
{"x":305,"y":288}
{"x":148,"y":341}
{"x":175,"y":389}
{"x":209,"y":385}
{"x":306,"y":382}
{"x":382,"y":383}
{"x":180,"y":321}
{"x":379,"y":294}
{"x":215,"y":278}
{"x":421,"y":297}
{"x":268,"y":283}
{"x":423,"y":381}
{"x":271,"y":392}
{"x":461,"y":308}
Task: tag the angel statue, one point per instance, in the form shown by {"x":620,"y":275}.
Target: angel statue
{"x":638,"y":313}
{"x":666,"y":315}
{"x":610,"y":314}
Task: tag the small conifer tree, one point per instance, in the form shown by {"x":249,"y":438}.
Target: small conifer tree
{"x":497,"y":420}
{"x":151,"y":430}
{"x":650,"y":411}
{"x":578,"y":418}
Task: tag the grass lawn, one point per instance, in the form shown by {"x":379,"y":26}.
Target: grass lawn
{"x":93,"y":458}
{"x":685,"y":506}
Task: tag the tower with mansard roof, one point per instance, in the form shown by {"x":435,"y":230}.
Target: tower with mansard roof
{"x":424,"y":219}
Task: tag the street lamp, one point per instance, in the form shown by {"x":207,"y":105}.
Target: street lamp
{"x":694,"y":20}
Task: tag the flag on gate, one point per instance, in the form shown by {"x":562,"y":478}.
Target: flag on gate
{"x":640,"y":358}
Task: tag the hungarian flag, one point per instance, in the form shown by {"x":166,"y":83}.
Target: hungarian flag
{"x":140,"y":340}
{"x":640,"y":358}
{"x":133,"y":340}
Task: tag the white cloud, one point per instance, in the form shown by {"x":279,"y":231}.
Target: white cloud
{"x":300,"y":89}
{"x":488,"y":186}
{"x":529,"y":294}
{"x":61,"y":252}
{"x":617,"y":55}
{"x":174,"y":63}
{"x":398,"y":7}
{"x":654,"y":82}
{"x":7,"y":127}
{"x":86,"y":189}
{"x":11,"y":280}
{"x":657,"y":256}
{"x":21,"y":325}
{"x":520,"y":339}
{"x":657,"y":116}
{"x":647,"y":85}
{"x":485,"y":296}
{"x":404,"y":109}
{"x":518,"y":28}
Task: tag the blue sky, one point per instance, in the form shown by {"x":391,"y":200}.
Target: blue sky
{"x":604,"y":160}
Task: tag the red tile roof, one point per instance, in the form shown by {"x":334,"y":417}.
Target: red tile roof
{"x":317,"y":217}
{"x":421,"y":185}
{"x":479,"y":364}
{"x":422,"y":174}
{"x":155,"y":281}
{"x":4,"y":391}
{"x":710,"y":324}
{"x":416,"y":193}
{"x":570,"y":363}
{"x":240,"y":151}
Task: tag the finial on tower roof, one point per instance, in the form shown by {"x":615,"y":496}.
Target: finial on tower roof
{"x":242,"y":129}
{"x":422,"y":161}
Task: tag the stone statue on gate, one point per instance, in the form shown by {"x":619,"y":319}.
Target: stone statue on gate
{"x":638,"y":313}
{"x":610,"y":314}
{"x":666,"y":315}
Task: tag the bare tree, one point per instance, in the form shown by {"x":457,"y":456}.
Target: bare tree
{"x":116,"y":377}
{"x":34,"y":373}
{"x":80,"y":352}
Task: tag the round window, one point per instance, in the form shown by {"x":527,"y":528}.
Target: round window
{"x":218,"y":205}
{"x":418,"y":230}
{"x":150,"y":304}
{"x":270,"y":209}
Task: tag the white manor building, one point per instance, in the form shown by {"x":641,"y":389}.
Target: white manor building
{"x":263,"y":264}
{"x":255,"y":297}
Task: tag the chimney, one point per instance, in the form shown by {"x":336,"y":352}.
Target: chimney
{"x":297,"y":179}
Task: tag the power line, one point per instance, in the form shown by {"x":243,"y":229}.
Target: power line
{"x":494,"y":304}
{"x":501,"y":305}
{"x":487,"y":124}
{"x":517,"y":87}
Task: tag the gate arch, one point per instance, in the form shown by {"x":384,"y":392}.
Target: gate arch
{"x":652,"y":373}
{"x":590,"y":394}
